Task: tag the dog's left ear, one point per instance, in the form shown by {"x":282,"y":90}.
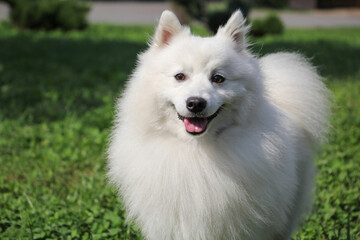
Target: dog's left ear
{"x":167,"y":28}
{"x":235,"y":29}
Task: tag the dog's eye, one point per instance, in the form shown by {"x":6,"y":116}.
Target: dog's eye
{"x":180,"y":77}
{"x":217,"y":78}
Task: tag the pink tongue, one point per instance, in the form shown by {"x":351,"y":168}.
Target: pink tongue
{"x":195,"y":124}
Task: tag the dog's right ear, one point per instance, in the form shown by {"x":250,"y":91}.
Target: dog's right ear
{"x":167,"y":28}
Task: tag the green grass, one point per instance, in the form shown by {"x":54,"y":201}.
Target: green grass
{"x":57,"y":94}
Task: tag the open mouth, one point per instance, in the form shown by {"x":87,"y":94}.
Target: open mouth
{"x":197,"y":125}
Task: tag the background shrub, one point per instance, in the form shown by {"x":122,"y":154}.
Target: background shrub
{"x":217,"y":19}
{"x":273,"y":3}
{"x":49,"y":14}
{"x":271,"y":24}
{"x":72,"y":15}
{"x":258,"y":28}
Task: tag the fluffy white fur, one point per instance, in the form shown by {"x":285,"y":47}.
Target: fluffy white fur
{"x":250,"y":175}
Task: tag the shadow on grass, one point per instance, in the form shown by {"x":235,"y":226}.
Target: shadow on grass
{"x":48,"y":79}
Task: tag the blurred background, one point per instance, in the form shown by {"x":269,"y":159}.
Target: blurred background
{"x":63,"y":64}
{"x":293,"y":13}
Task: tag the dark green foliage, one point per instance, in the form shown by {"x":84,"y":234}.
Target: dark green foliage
{"x":49,"y":14}
{"x":271,"y":24}
{"x":273,"y":3}
{"x":258,"y":28}
{"x":71,"y":14}
{"x":57,"y":95}
{"x":217,"y":19}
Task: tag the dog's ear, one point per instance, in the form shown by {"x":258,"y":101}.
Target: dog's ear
{"x":167,"y":28}
{"x":235,"y":29}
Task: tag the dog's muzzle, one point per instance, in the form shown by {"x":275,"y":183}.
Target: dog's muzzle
{"x":197,"y":125}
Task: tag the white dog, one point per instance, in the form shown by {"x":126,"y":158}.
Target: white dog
{"x":211,"y":142}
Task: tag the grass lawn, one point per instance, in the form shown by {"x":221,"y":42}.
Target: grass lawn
{"x":57,"y":94}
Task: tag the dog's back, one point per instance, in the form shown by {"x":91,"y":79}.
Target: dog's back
{"x":294,"y":86}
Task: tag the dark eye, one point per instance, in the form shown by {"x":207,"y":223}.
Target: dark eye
{"x":180,"y":77}
{"x":217,"y":78}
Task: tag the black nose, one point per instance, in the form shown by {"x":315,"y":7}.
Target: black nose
{"x":195,"y":104}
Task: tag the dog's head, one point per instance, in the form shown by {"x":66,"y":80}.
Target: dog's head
{"x":201,"y":85}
